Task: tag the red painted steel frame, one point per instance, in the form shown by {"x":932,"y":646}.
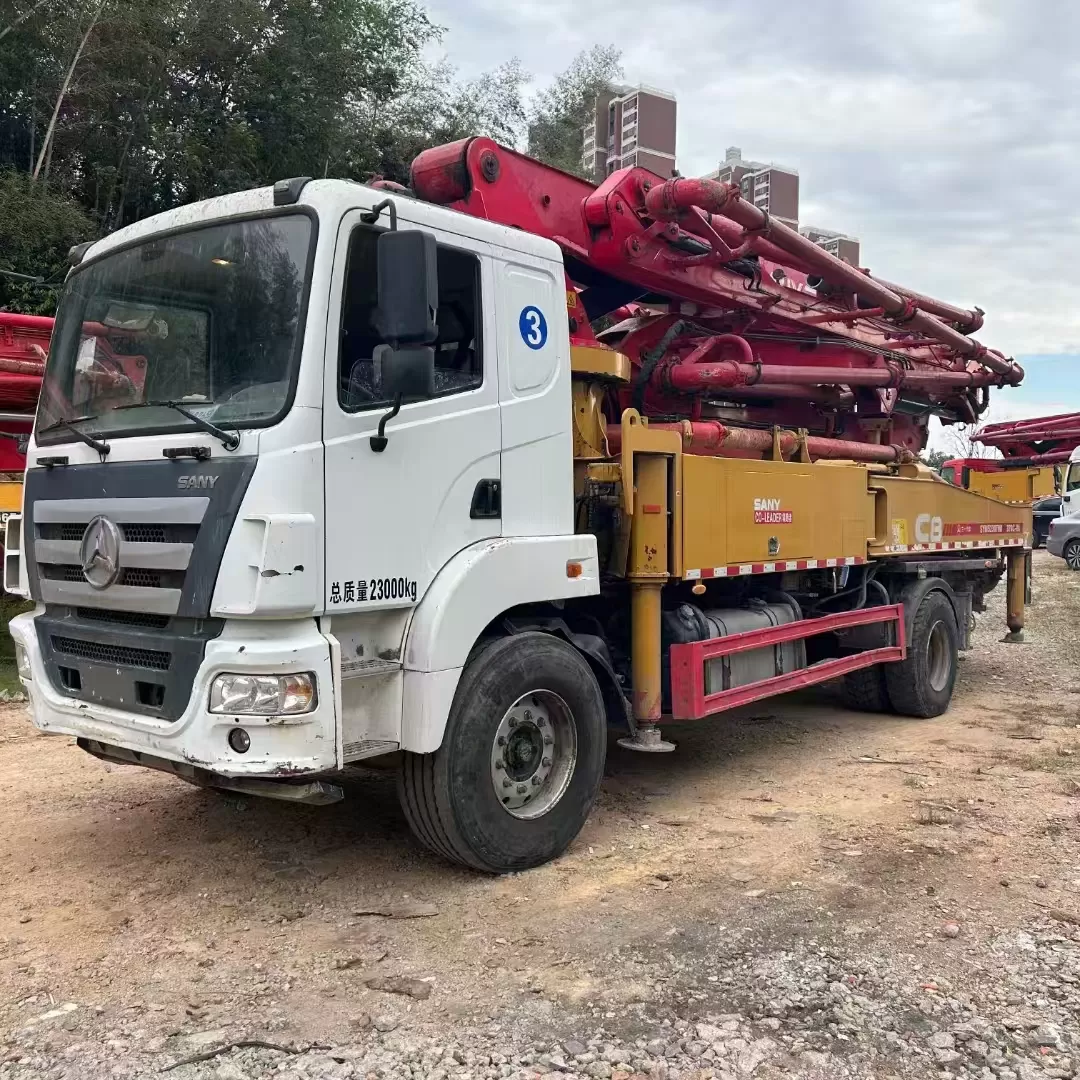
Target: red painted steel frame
{"x":732,"y":306}
{"x":1040,"y":440}
{"x":690,"y":702}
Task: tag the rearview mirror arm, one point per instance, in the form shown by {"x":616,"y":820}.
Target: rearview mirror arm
{"x":373,"y":214}
{"x":378,"y":442}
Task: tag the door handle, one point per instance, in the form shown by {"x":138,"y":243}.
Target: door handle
{"x":487,"y":500}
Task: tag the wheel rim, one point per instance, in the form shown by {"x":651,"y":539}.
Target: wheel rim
{"x":1072,"y":555}
{"x":938,"y":658}
{"x":533,"y":754}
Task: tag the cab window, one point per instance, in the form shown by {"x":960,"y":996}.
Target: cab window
{"x":458,"y":353}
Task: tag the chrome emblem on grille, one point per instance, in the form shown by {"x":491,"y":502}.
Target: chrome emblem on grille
{"x":99,"y":553}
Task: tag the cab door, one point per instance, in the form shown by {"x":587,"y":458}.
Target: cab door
{"x":394,"y":518}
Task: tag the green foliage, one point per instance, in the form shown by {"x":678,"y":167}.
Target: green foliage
{"x":169,"y":103}
{"x":37,"y":228}
{"x":559,"y":114}
{"x":934,"y":458}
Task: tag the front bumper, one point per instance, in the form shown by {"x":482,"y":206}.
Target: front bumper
{"x":281,"y":746}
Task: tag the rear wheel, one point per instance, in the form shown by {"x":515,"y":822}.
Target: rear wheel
{"x":521,"y":759}
{"x":922,"y":685}
{"x":865,"y":691}
{"x":1071,"y":554}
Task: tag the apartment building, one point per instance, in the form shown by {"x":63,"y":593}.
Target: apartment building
{"x":839,"y":244}
{"x":631,"y":125}
{"x":772,"y":188}
{"x":775,"y":189}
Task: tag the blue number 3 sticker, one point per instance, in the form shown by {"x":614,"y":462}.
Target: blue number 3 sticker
{"x":533,"y":327}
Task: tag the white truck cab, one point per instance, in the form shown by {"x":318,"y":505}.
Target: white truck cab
{"x":1070,"y":488}
{"x":266,"y":520}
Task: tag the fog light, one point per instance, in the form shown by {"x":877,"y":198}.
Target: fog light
{"x":239,"y":740}
{"x":263,"y":695}
{"x":22,"y":661}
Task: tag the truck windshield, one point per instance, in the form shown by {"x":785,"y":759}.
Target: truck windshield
{"x":1072,"y":480}
{"x":210,"y":318}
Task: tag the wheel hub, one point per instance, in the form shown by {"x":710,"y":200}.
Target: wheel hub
{"x":1072,"y":555}
{"x":938,"y":657}
{"x":533,"y":755}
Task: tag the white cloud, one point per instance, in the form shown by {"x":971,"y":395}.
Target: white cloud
{"x":943,"y":133}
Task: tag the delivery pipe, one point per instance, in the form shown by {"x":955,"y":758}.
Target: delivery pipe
{"x":22,"y":367}
{"x":710,"y":438}
{"x":689,"y":378}
{"x":966,"y":320}
{"x":673,"y":198}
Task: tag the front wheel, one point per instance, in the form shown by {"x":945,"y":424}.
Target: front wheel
{"x":520,"y":762}
{"x":922,"y":684}
{"x":1071,"y":554}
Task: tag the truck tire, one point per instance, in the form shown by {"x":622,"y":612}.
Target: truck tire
{"x":922,"y":685}
{"x":520,"y":762}
{"x":864,"y":690}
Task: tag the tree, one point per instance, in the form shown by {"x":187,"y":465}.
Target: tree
{"x":558,"y":115}
{"x":437,"y":109}
{"x":934,"y":459}
{"x":960,"y":439}
{"x":126,"y":108}
{"x":152,"y":104}
{"x":37,"y":229}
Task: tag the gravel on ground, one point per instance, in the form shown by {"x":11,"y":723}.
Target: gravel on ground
{"x":798,"y":891}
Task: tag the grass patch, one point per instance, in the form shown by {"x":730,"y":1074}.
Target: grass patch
{"x":10,"y":606}
{"x":1049,"y":760}
{"x":9,"y":677}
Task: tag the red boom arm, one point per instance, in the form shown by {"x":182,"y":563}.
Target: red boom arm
{"x":725,"y":312}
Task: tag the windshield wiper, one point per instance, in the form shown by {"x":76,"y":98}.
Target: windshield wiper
{"x":69,"y":425}
{"x":229,"y":439}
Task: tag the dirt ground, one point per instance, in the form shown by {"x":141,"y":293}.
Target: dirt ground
{"x":136,"y":911}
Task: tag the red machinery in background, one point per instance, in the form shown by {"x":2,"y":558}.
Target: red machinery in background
{"x":1044,"y":440}
{"x":24,"y":345}
{"x":734,"y":323}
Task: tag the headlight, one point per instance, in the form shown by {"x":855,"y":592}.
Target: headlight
{"x":22,"y":661}
{"x":263,"y":695}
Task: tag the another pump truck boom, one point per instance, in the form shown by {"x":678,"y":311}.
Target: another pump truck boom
{"x":1035,"y":454}
{"x":469,"y":471}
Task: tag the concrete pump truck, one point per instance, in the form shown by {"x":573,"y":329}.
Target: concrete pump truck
{"x":470,"y":471}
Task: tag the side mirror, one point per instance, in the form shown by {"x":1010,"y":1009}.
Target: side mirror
{"x":408,"y":287}
{"x":408,"y":372}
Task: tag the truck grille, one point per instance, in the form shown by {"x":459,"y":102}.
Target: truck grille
{"x":144,"y":620}
{"x":150,"y":659}
{"x":156,"y":541}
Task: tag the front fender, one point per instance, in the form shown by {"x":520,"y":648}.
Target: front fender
{"x":476,"y":586}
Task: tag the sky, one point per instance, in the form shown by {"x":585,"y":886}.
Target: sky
{"x":944,"y":134}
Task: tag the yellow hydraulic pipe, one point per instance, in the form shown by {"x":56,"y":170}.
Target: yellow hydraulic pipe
{"x":648,"y":571}
{"x":645,"y":649}
{"x":1016,"y":590}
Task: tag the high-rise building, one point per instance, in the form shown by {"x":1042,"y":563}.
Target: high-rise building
{"x":775,"y":189}
{"x":772,"y":188}
{"x":631,"y":125}
{"x":839,"y":244}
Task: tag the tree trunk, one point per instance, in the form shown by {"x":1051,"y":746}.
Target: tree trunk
{"x":46,"y":146}
{"x":48,"y":163}
{"x":21,"y":19}
{"x":33,"y":124}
